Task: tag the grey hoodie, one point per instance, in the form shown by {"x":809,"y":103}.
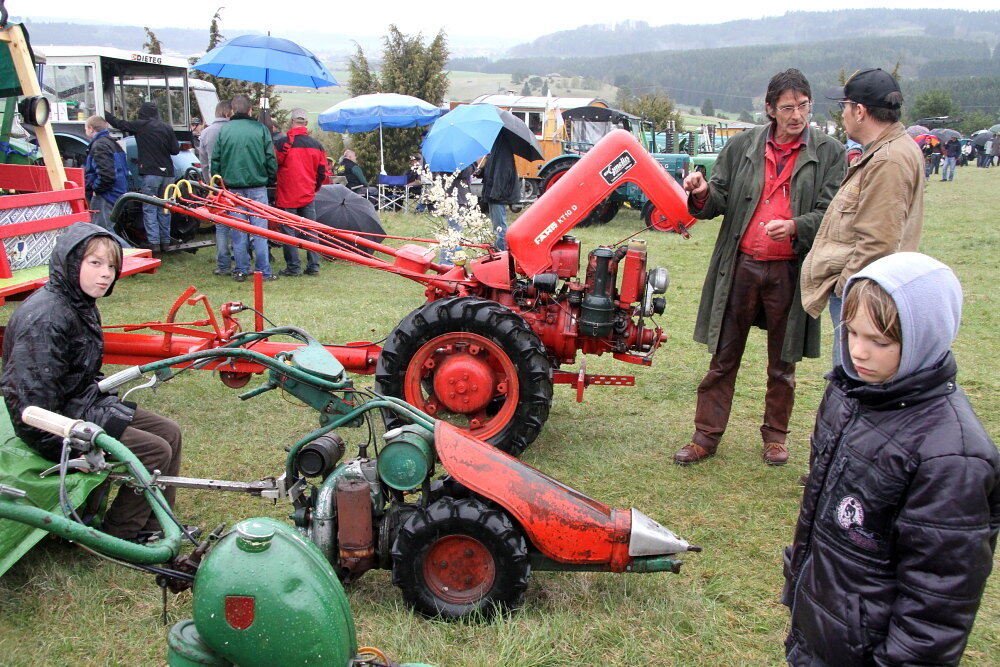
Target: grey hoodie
{"x":928,"y":297}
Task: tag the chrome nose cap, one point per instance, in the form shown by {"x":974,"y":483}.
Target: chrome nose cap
{"x":649,"y":538}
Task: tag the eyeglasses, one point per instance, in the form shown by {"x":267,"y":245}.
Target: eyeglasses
{"x":843,"y":104}
{"x":788,"y":109}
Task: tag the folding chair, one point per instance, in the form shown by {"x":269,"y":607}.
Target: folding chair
{"x":393,"y":192}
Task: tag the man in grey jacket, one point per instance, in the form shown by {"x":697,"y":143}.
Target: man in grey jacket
{"x":771,"y":185}
{"x":223,"y":253}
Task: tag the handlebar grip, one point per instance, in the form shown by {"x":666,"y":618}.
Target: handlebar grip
{"x":119,"y":378}
{"x":51,"y":422}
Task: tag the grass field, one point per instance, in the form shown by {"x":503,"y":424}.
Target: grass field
{"x":60,"y":606}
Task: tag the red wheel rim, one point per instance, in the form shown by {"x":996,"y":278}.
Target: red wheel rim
{"x":553,"y":178}
{"x":659,"y":222}
{"x":466,"y":379}
{"x":459,"y":569}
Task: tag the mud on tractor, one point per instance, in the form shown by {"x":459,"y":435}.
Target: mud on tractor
{"x":487,"y":347}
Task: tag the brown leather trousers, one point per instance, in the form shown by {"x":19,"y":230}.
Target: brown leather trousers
{"x":757,"y":286}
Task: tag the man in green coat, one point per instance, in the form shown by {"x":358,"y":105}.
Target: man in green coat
{"x":772,"y":185}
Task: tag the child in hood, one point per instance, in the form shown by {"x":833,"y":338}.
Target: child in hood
{"x":53,"y":350}
{"x":900,"y":516}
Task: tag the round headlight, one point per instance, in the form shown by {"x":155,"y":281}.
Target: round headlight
{"x":34,"y":110}
{"x":658,"y":280}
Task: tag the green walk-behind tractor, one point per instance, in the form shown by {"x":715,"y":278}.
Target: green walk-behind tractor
{"x":459,"y":523}
{"x":257,"y":584}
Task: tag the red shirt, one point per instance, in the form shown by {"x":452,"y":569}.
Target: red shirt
{"x":775,"y":203}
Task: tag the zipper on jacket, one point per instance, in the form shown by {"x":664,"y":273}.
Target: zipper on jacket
{"x":826,"y":481}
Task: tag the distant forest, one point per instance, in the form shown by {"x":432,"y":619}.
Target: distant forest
{"x":735,"y":78}
{"x":790,"y":28}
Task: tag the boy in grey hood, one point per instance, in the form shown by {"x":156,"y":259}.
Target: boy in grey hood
{"x":900,"y":516}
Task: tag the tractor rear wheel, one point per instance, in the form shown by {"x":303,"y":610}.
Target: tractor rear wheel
{"x":473,"y":363}
{"x":602,"y":213}
{"x":458,"y":558}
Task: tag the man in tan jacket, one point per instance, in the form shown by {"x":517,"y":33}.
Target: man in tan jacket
{"x":879,"y":208}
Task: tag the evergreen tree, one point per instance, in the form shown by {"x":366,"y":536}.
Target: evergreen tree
{"x":409,"y":67}
{"x":707,"y":108}
{"x":658,"y":108}
{"x":526,"y":90}
{"x":746,"y":117}
{"x":545,"y":88}
{"x":932,"y":103}
{"x":152,"y":44}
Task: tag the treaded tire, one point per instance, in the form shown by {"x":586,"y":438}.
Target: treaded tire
{"x":493,"y":321}
{"x":466,"y":541}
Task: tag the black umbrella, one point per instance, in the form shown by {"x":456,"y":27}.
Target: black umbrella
{"x":981,"y":137}
{"x":339,"y":207}
{"x":945,"y":135}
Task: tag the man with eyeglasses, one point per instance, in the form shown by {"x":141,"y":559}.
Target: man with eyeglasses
{"x":771,"y":184}
{"x":879,"y":208}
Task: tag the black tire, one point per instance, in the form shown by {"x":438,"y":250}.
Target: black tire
{"x":460,"y":558}
{"x":606,"y":211}
{"x":500,"y":326}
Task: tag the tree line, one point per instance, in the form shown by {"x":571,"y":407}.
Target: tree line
{"x":735,"y":78}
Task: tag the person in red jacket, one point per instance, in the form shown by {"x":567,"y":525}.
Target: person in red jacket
{"x":301,"y":172}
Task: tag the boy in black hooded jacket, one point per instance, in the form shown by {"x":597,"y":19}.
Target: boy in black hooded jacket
{"x":900,"y":516}
{"x":53,"y":349}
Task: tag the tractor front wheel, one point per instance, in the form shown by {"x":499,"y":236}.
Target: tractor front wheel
{"x":473,"y":363}
{"x":457,"y":558}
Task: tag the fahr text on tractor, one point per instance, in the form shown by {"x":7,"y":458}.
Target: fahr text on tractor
{"x":495,"y":333}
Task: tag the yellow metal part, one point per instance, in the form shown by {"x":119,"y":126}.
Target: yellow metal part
{"x":13,"y":36}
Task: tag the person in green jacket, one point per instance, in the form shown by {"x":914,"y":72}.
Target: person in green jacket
{"x":243,"y":155}
{"x":771,"y":185}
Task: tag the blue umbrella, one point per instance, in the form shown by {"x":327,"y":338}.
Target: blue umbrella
{"x":468,"y":132}
{"x":367,"y":112}
{"x":264,"y":59}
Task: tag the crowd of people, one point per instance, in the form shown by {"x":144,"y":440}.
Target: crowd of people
{"x":901,"y":507}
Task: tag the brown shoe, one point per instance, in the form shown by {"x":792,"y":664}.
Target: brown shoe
{"x":692,"y":453}
{"x":775,"y":453}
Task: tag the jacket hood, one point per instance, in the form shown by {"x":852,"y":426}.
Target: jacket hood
{"x":928,"y":297}
{"x":296,"y":131}
{"x":148,"y":110}
{"x":67,"y":255}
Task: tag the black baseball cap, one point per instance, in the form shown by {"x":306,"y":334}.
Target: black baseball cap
{"x":870,"y":87}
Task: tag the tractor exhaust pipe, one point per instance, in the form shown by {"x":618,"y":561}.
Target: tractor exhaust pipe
{"x":355,"y":534}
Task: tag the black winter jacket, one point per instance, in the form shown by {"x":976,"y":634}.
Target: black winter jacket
{"x":155,"y":140}
{"x":898,"y":524}
{"x":53,"y":350}
{"x":501,"y":184}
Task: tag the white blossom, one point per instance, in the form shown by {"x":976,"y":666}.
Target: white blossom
{"x":467,"y":223}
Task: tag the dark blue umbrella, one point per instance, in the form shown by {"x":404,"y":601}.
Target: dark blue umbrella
{"x":467,"y":132}
{"x":264,"y":59}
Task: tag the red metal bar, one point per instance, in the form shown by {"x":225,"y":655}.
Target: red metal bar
{"x":258,"y":301}
{"x":137,"y":349}
{"x":354,"y":257}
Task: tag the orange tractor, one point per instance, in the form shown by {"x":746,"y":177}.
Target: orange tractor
{"x":486,"y":348}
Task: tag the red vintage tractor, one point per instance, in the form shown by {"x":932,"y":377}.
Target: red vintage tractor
{"x":486,"y":348}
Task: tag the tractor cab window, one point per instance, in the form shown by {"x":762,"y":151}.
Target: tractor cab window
{"x":533,"y":119}
{"x":130,"y":91}
{"x":70,"y":91}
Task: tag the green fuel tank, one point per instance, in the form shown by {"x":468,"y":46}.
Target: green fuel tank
{"x":265,"y":596}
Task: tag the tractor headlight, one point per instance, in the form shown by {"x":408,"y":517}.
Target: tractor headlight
{"x":657,"y":281}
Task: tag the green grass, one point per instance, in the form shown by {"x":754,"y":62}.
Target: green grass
{"x":60,"y":606}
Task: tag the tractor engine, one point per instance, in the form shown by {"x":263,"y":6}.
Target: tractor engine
{"x":604,"y":313}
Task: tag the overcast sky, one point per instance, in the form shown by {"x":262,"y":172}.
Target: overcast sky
{"x":519,"y":19}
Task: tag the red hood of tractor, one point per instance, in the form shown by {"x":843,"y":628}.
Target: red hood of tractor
{"x":559,"y":521}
